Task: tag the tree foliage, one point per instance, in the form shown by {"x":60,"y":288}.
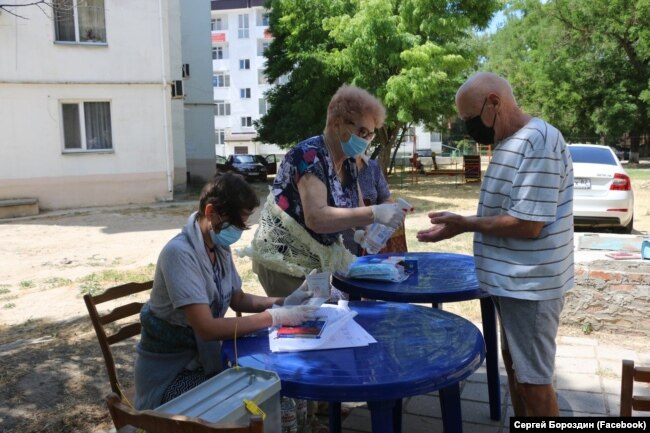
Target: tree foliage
{"x":582,"y":65}
{"x":411,"y":54}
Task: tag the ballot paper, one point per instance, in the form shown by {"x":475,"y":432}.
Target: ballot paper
{"x":340,"y":331}
{"x":320,"y":286}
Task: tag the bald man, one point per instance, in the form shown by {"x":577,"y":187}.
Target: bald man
{"x":523,"y":234}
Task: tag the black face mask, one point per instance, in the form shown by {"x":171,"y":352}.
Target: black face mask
{"x":478,"y":131}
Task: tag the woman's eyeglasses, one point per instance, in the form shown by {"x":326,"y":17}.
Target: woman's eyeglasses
{"x":362,"y":132}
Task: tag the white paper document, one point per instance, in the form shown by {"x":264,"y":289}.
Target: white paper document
{"x":340,"y":331}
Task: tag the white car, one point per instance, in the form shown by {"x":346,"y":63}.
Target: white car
{"x":602,"y":190}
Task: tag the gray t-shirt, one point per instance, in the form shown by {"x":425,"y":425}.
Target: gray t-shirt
{"x":529,"y":177}
{"x":184,"y":276}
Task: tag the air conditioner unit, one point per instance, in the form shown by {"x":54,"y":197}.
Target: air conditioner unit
{"x":186,"y":70}
{"x":177,"y":89}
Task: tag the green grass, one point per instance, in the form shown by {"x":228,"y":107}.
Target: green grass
{"x":97,"y":282}
{"x":4,"y":290}
{"x":26,"y":284}
{"x":9,"y":305}
{"x":58,"y":282}
{"x":638,"y":173}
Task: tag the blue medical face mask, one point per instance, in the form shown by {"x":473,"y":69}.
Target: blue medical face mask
{"x":354,"y":146}
{"x":226,"y":236}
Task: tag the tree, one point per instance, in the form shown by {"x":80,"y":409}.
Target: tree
{"x":46,"y":6}
{"x":411,"y":54}
{"x":581,"y":65}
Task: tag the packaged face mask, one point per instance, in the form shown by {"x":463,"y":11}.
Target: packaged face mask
{"x":378,"y":271}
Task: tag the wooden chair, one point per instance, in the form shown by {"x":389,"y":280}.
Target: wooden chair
{"x":124,"y":329}
{"x":629,"y":401}
{"x":472,"y":168}
{"x":158,"y":422}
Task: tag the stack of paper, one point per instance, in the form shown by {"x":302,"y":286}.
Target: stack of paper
{"x":340,"y":331}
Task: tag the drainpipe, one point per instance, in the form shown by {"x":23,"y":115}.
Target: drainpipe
{"x":170,"y":159}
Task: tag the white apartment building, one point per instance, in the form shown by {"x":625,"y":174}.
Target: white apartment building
{"x":239,"y":37}
{"x":91,"y":102}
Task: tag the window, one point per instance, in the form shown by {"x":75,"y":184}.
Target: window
{"x":221,"y":108}
{"x":217,"y":53}
{"x":219,"y":24}
{"x":261,"y":77}
{"x":263,"y":106}
{"x":246,"y":121}
{"x":436,"y":137}
{"x":221,"y":79}
{"x":245,"y":93}
{"x":262,"y":18}
{"x":79,"y":21}
{"x":262,"y":46}
{"x":244,"y":64}
{"x":242,"y":32}
{"x":241,"y":150}
{"x":87,"y":125}
{"x":220,"y":136}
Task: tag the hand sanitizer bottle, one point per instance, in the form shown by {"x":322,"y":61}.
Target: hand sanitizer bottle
{"x":378,"y":234}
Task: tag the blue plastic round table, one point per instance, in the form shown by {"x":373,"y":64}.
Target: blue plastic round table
{"x":440,"y":278}
{"x":418,"y":350}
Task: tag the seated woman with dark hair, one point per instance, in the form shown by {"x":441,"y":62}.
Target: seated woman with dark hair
{"x":195,"y":282}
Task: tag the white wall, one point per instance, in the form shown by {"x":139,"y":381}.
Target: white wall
{"x":425,"y":143}
{"x":36,"y":74}
{"x":198,"y":103}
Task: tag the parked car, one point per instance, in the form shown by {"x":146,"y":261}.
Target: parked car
{"x":602,"y":190}
{"x":249,"y":166}
{"x":622,"y":153}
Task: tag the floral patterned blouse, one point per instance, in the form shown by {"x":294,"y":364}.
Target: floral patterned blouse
{"x":311,"y":156}
{"x":373,"y":183}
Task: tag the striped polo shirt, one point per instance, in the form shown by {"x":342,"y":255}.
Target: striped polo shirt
{"x":530,"y":177}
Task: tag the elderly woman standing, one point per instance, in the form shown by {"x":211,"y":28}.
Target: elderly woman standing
{"x":315,"y":197}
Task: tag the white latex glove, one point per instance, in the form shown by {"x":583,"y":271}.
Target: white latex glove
{"x":359,"y":236}
{"x":301,"y":295}
{"x":388,"y":214}
{"x":293,"y":315}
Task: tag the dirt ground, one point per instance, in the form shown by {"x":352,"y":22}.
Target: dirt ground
{"x":52,"y":377}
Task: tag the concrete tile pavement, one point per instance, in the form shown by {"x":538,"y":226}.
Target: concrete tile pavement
{"x":587,"y":381}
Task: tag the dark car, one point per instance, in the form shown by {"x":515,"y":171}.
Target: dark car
{"x":622,"y":153}
{"x":249,"y":166}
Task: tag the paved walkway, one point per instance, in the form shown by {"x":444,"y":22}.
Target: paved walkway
{"x":588,"y":375}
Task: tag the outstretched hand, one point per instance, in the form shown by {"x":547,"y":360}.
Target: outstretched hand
{"x":445,"y":225}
